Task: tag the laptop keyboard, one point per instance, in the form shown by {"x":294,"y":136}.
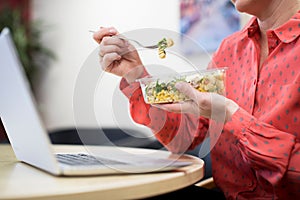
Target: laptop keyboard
{"x":85,"y":160}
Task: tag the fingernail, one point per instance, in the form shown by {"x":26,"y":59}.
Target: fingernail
{"x":126,"y":43}
{"x":179,"y":85}
{"x":156,"y":105}
{"x":112,"y":30}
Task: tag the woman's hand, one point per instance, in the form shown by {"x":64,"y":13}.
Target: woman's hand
{"x":209,"y":105}
{"x":117,"y":56}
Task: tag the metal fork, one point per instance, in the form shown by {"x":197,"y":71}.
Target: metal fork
{"x":135,"y":41}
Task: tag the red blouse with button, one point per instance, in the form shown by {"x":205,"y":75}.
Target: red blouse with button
{"x":257,"y":155}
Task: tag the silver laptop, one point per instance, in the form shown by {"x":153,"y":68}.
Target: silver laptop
{"x":31,"y":143}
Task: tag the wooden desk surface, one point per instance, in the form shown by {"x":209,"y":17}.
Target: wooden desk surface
{"x":21,"y":181}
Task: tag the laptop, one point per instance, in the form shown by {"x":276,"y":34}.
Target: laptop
{"x":30,"y":140}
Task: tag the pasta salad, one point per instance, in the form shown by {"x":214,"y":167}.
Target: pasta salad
{"x":162,"y":89}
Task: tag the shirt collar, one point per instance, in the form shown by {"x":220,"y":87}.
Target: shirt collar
{"x":287,"y":32}
{"x":290,"y":30}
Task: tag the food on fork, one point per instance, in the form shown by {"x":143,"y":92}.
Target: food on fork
{"x":162,"y":45}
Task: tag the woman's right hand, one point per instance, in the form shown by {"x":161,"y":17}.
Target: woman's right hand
{"x":118,"y":56}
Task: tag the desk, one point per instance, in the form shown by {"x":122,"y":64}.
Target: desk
{"x":21,"y":181}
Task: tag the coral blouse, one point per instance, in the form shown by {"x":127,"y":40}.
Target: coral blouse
{"x":257,"y":154}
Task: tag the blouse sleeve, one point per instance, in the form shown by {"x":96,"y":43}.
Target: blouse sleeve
{"x":177,"y":132}
{"x":271,"y":153}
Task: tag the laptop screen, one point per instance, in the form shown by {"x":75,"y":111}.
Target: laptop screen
{"x":18,"y":112}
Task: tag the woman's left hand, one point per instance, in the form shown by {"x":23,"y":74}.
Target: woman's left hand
{"x":206,"y":104}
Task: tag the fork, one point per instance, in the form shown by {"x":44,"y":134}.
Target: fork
{"x":135,"y":41}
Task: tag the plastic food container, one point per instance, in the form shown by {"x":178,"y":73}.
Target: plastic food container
{"x":161,"y":89}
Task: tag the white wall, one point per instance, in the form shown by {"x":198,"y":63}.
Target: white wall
{"x":68,"y":37}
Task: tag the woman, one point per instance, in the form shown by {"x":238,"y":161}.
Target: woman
{"x":257,"y":155}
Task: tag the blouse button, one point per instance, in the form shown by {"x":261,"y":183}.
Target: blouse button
{"x":254,"y":82}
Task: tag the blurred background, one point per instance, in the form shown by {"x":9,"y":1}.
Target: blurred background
{"x":60,"y":43}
